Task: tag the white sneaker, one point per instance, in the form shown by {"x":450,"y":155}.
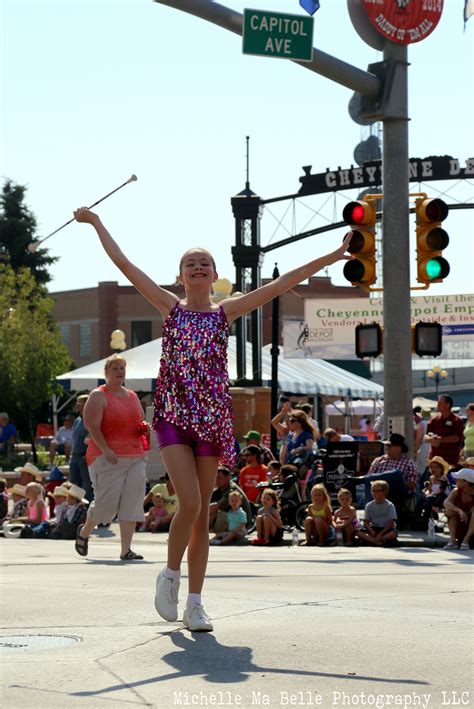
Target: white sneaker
{"x":166,"y":597}
{"x":196,"y":618}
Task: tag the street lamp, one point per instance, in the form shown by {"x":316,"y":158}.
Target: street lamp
{"x":438,"y":374}
{"x":117,"y":341}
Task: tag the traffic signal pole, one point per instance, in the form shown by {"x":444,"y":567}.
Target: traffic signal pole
{"x":396,"y":258}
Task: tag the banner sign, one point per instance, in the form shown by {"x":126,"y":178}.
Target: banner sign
{"x":340,"y":462}
{"x":328,"y":328}
{"x":434,"y":167}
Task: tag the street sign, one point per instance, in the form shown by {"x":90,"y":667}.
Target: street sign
{"x":274,"y":34}
{"x":404,"y":22}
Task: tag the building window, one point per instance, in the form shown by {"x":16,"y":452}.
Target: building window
{"x":65,"y":333}
{"x":141,"y":332}
{"x":85,"y":339}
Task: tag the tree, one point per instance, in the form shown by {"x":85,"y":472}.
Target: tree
{"x":31,"y":351}
{"x":17,"y":230}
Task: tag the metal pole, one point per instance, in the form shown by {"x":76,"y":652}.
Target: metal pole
{"x":396,"y":259}
{"x":275,"y":351}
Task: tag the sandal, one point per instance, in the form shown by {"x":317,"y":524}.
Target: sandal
{"x":131,"y":556}
{"x":451,"y":545}
{"x":81,"y":544}
{"x":464,"y":546}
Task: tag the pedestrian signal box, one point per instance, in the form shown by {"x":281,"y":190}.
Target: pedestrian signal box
{"x":427,"y":339}
{"x":368,"y":340}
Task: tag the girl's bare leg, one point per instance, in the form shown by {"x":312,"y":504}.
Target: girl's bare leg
{"x":259,"y":523}
{"x":181,"y":466}
{"x":198,"y":547}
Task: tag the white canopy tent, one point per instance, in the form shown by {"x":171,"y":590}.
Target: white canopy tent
{"x":362,"y":407}
{"x":298,"y":376}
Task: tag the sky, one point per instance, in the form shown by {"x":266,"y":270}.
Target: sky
{"x":95,"y":90}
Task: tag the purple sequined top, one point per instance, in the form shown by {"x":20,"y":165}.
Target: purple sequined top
{"x":192,"y":389}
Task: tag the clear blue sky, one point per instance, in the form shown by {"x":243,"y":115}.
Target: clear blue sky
{"x":94,"y":90}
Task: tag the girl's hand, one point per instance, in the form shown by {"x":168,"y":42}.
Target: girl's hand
{"x":83,"y":214}
{"x":340,"y":253}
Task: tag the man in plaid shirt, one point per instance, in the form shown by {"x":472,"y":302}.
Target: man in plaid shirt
{"x":395,"y":459}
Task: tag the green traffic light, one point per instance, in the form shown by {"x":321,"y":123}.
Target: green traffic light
{"x":433,"y":269}
{"x":437,"y":268}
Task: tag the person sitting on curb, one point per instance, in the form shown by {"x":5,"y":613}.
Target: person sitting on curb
{"x":29,"y":473}
{"x":219,"y":505}
{"x":62,"y":441}
{"x":236,"y":522}
{"x":458,"y":506}
{"x":379,"y":518}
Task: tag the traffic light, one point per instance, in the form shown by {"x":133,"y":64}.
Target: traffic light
{"x":368,"y":340}
{"x":361,"y":217}
{"x":431,"y":239}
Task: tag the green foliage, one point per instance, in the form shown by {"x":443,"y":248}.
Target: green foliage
{"x":17,"y":230}
{"x":31,"y":351}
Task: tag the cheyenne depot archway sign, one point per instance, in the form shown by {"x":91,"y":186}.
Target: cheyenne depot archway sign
{"x":434,"y":167}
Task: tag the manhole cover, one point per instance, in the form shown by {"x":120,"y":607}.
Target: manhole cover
{"x":22,"y":643}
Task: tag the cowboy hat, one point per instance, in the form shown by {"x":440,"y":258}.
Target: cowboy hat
{"x":468,"y":461}
{"x":17,"y":489}
{"x":77,"y":492}
{"x":12,"y":530}
{"x":442,"y":462}
{"x":31,"y":469}
{"x":59,"y":490}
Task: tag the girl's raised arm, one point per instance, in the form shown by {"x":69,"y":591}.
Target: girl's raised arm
{"x":235,"y":307}
{"x":160,"y":298}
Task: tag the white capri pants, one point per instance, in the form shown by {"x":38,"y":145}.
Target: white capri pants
{"x":119,"y":489}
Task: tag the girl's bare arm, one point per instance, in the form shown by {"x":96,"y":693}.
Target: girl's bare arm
{"x":235,"y":307}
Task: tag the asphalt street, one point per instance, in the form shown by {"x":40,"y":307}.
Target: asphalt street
{"x":305,"y":626}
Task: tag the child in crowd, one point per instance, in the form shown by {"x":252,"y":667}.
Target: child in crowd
{"x":458,"y":507}
{"x":73,"y":515}
{"x":269,"y":524}
{"x":274,"y":467}
{"x":345,"y":518}
{"x":380,"y":517}
{"x":236,"y":522}
{"x":157,"y":518}
{"x":318,"y":525}
{"x":3,"y":499}
{"x":435,"y":490}
{"x":18,"y":493}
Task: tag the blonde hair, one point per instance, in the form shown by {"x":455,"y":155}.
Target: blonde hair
{"x":112,"y":359}
{"x":343,"y":491}
{"x":235,"y":493}
{"x":36,"y":487}
{"x":321,"y":488}
{"x":381,"y":484}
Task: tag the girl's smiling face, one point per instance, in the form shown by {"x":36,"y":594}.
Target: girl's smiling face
{"x":158,"y":500}
{"x":436,"y":470}
{"x":267,"y":500}
{"x":197,"y":266}
{"x":345,"y":500}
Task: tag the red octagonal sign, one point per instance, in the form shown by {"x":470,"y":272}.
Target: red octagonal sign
{"x":404,"y":21}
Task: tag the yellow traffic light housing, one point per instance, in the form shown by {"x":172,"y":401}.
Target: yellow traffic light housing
{"x":431,"y":239}
{"x":361,"y":217}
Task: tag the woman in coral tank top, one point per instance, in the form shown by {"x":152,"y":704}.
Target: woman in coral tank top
{"x":193,"y":408}
{"x":115,"y":457}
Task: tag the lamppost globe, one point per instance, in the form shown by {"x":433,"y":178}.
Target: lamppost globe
{"x":437,"y":374}
{"x":117,"y":342}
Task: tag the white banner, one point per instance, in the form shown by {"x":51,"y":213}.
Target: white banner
{"x":328,"y":330}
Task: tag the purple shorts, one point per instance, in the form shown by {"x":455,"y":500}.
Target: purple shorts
{"x":167,"y":434}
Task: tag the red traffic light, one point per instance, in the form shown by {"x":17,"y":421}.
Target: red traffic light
{"x":360,"y":212}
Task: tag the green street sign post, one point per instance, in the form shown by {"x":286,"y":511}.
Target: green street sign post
{"x":274,"y":34}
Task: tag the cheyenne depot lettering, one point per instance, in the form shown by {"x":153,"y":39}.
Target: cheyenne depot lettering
{"x":434,"y":167}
